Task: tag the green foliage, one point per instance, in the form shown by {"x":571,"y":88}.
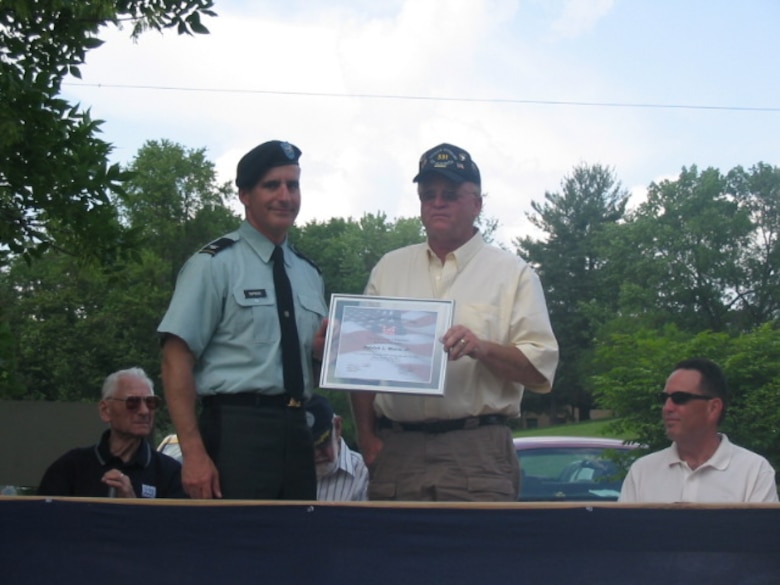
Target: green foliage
{"x":758,"y":193}
{"x":8,"y":363}
{"x":753,"y":371}
{"x":75,"y":321}
{"x":699,"y":254}
{"x":346,"y":250}
{"x":590,"y":428}
{"x":174,"y":201}
{"x":685,"y":240}
{"x":55,"y":179}
{"x":570,"y":262}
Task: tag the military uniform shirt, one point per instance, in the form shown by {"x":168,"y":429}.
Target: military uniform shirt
{"x":224,"y":309}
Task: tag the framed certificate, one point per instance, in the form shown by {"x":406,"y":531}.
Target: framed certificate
{"x":386,"y":344}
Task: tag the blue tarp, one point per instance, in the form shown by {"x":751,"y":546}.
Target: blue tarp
{"x":73,"y":541}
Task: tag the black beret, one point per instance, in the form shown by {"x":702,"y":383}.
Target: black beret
{"x":254,"y":164}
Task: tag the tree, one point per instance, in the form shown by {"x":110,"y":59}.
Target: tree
{"x":174,"y":202}
{"x":758,"y":192}
{"x":55,"y":178}
{"x":679,"y":254}
{"x":347,"y":249}
{"x":76,"y":322}
{"x":73,"y":320}
{"x":570,"y":262}
{"x":702,"y":252}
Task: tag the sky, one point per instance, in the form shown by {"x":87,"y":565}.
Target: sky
{"x":531,"y":88}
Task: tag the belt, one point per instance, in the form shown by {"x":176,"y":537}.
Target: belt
{"x":443,"y":426}
{"x":252,"y":399}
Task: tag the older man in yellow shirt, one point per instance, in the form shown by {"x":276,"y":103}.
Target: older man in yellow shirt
{"x":458,"y":447}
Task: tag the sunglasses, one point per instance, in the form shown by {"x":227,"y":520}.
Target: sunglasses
{"x":681,"y":397}
{"x":134,"y":402}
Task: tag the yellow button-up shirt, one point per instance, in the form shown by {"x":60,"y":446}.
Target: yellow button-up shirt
{"x":498,"y":297}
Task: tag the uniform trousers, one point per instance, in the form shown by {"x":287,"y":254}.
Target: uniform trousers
{"x":261,"y":452}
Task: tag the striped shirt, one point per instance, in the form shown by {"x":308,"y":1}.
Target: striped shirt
{"x":349,"y":483}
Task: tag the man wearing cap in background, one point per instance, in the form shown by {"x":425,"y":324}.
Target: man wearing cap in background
{"x":341,"y":474}
{"x":245,"y":322}
{"x":458,"y":447}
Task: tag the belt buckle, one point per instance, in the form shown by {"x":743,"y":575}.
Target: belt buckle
{"x":293,"y":403}
{"x":471,"y":422}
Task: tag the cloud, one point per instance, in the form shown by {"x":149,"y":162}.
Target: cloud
{"x":363,"y":88}
{"x":580,"y":17}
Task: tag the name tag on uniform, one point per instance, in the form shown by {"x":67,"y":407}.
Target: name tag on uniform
{"x":148,"y":491}
{"x":257,"y":293}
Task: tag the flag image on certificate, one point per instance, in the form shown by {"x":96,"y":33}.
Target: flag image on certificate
{"x":386,"y":344}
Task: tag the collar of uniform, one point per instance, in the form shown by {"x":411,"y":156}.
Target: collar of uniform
{"x":260,"y":244}
{"x":465,"y":253}
{"x":719,"y":460}
{"x":141,"y":458}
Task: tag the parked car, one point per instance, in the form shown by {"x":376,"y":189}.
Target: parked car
{"x":170,"y":446}
{"x":558,"y":469}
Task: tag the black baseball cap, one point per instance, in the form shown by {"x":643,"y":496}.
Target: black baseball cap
{"x":319,"y":417}
{"x":450,"y":161}
{"x":255,"y":163}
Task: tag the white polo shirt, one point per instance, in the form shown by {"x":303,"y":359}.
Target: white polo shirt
{"x":733,"y":474}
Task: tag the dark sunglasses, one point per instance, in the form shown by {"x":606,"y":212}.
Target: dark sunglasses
{"x":134,"y":402}
{"x":681,"y":397}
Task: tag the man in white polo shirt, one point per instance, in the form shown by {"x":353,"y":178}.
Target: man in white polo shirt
{"x":701,"y":465}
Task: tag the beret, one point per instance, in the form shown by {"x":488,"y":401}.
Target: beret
{"x":255,"y":163}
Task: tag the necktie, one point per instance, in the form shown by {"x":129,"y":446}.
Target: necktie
{"x":291,"y":353}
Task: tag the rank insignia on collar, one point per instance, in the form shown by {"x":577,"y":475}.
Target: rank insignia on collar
{"x":217,"y":246}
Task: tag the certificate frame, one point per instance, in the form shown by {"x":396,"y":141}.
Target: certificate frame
{"x":386,"y":344}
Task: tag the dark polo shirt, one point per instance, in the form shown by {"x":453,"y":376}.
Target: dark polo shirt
{"x":78,"y":472}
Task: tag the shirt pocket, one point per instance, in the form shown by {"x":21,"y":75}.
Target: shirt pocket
{"x":481,"y":319}
{"x":256,"y":318}
{"x":314,"y":311}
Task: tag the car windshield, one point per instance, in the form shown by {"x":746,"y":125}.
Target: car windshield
{"x":568,"y":473}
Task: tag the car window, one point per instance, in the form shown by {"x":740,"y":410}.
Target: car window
{"x":568,"y":473}
{"x":552,"y":462}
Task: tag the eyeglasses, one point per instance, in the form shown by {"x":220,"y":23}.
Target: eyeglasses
{"x":134,"y":402}
{"x":429,"y":196}
{"x":680,"y":397}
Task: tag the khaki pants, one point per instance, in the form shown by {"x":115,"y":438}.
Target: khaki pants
{"x":476,"y":465}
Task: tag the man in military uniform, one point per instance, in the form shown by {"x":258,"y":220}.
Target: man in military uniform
{"x":242,"y":331}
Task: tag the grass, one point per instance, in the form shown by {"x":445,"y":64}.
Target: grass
{"x":591,"y":428}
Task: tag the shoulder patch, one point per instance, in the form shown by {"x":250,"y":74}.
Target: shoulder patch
{"x":217,"y":246}
{"x":306,"y":258}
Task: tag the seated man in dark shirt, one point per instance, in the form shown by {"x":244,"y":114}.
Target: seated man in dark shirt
{"x":123,"y":464}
